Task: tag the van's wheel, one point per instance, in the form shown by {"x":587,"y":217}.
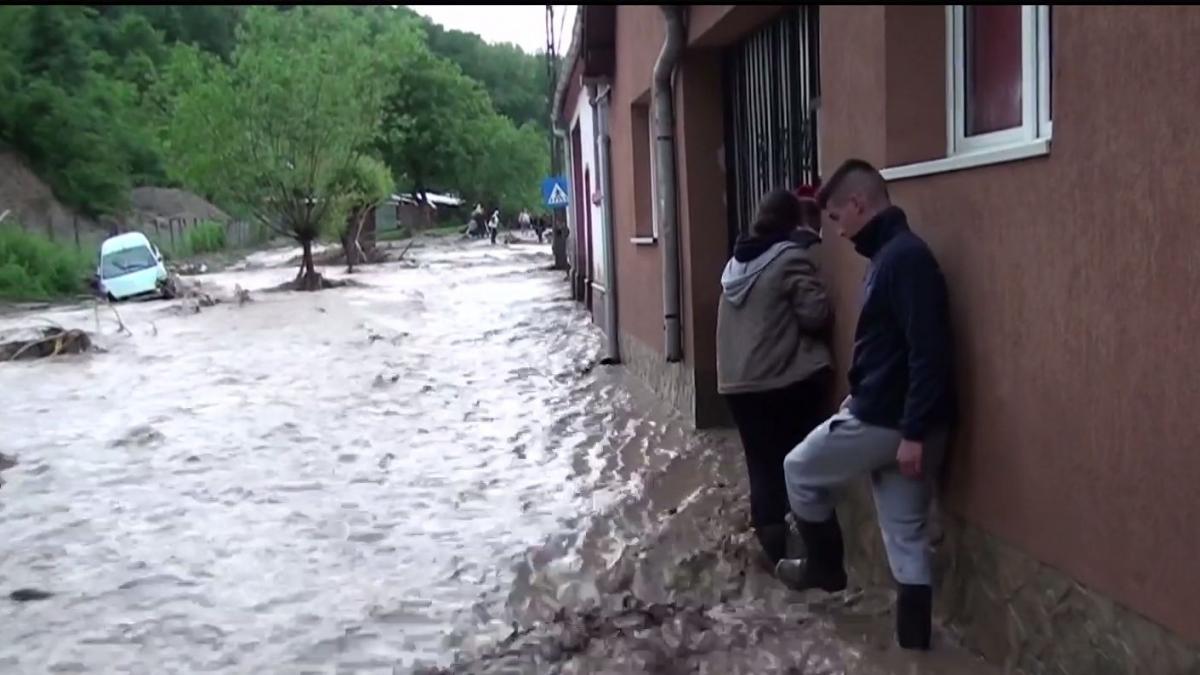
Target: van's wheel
{"x":170,"y":289}
{"x":110,"y":298}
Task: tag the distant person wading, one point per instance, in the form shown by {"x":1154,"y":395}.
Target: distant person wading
{"x":493,"y":225}
{"x":773,"y":363}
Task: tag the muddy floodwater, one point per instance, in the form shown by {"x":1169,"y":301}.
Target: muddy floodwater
{"x":427,"y":472}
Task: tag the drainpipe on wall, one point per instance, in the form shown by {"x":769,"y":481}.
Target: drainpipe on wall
{"x":603,"y":146}
{"x":561,"y":244}
{"x":664,"y":175}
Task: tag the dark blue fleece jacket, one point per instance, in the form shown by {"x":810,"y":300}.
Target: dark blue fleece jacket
{"x":901,"y":376}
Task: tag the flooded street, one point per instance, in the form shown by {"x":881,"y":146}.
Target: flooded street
{"x":383,"y":478}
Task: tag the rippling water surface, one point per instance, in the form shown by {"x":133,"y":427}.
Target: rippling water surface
{"x":350,"y":481}
{"x":327,"y":478}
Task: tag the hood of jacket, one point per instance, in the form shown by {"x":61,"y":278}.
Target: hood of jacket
{"x":739,"y":277}
{"x":752,"y":255}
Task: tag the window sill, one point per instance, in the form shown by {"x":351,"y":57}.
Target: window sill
{"x":999,"y":155}
{"x":644,"y":241}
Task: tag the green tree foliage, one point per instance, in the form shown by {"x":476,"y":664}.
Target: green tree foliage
{"x":513,"y":162}
{"x":278,"y":130}
{"x":440,"y":131}
{"x":57,"y":111}
{"x":235,"y":103}
{"x":429,"y":136}
{"x":514,"y":80}
{"x":211,"y":28}
{"x":365,"y":184}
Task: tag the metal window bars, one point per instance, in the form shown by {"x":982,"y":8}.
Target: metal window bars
{"x":771,"y":84}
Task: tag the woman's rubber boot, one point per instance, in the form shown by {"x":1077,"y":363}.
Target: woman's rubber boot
{"x":914,"y":616}
{"x":824,"y":567}
{"x":773,"y":540}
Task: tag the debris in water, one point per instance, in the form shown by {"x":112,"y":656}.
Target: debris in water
{"x":381,"y":382}
{"x":139,"y":436}
{"x":314,"y":283}
{"x":197,"y":295}
{"x":29,"y":595}
{"x":241,"y":295}
{"x":190,"y":269}
{"x":49,"y":342}
{"x":6,"y":462}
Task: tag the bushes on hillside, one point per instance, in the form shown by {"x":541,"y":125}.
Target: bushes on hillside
{"x":34,"y":268}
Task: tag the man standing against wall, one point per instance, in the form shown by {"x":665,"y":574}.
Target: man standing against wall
{"x":894,"y":423}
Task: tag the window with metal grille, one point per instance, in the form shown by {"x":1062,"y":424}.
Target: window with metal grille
{"x":771,"y":92}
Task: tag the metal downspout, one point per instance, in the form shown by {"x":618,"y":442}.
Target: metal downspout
{"x":665,"y":176}
{"x":568,"y":214}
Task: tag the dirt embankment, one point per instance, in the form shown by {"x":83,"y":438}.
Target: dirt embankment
{"x":32,"y":204}
{"x":148,"y":203}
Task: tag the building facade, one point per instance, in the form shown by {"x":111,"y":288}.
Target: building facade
{"x":1044,"y":153}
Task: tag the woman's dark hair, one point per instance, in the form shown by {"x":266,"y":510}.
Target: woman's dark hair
{"x":779,"y":212}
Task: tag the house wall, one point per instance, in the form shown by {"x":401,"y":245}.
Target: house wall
{"x":640,"y":30}
{"x":585,"y":121}
{"x":639,"y":36}
{"x":1070,"y":278}
{"x":1064,"y":532}
{"x":585,"y":118}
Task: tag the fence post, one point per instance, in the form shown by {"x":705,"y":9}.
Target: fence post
{"x":75,"y":223}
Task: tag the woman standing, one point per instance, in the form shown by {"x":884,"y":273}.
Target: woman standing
{"x":773,"y":362}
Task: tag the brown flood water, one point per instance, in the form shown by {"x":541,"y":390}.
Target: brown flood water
{"x":384,"y":480}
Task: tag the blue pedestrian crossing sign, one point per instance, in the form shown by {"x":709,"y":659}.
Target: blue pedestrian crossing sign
{"x":555,"y":192}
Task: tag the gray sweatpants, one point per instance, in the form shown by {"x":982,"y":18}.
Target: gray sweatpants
{"x":844,"y":447}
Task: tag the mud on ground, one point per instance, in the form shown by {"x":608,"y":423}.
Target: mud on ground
{"x":693,"y":597}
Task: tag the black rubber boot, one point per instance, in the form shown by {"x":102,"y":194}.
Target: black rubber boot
{"x":914,"y":616}
{"x":773,"y":539}
{"x":824,"y":568}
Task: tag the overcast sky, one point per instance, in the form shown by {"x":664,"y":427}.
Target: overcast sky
{"x":522,"y":25}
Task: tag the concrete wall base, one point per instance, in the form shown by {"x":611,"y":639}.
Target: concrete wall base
{"x":1015,"y":611}
{"x":672,"y":382}
{"x":599,"y":308}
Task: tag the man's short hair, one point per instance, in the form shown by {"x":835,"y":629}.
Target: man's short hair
{"x":854,"y":174}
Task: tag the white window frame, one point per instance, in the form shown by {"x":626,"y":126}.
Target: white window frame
{"x":1045,"y":63}
{"x":1035,"y":68}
